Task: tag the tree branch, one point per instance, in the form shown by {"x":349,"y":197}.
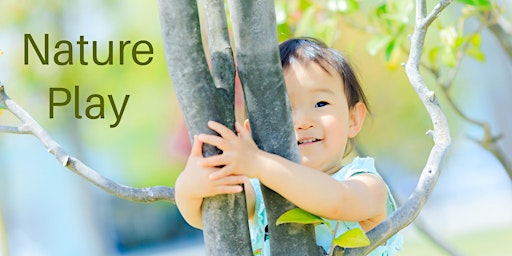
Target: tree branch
{"x":30,"y":126}
{"x":438,"y":8}
{"x":441,"y":135}
{"x":221,"y":54}
{"x":489,"y":141}
{"x":502,"y":30}
{"x":14,"y":129}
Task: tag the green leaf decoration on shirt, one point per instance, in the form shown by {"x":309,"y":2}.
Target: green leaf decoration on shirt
{"x":352,"y":239}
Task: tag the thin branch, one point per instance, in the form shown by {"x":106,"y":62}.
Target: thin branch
{"x":14,"y":129}
{"x":221,"y":54}
{"x":30,"y":126}
{"x":447,"y":83}
{"x":406,"y":214}
{"x":489,"y":141}
{"x":438,"y":8}
{"x":502,"y":30}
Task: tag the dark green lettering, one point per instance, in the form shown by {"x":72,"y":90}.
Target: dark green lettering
{"x":122,"y":44}
{"x":82,"y":44}
{"x":118,"y":114}
{"x":95,"y":54}
{"x":100,"y":105}
{"x":52,"y":99}
{"x":135,"y":51}
{"x":69,"y":52}
{"x":29,"y":39}
{"x":77,"y":106}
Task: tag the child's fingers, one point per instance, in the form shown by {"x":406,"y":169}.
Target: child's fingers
{"x":232,"y":180}
{"x":197,"y":147}
{"x":222,"y":130}
{"x":213,"y":140}
{"x":232,"y":189}
{"x":222,"y":172}
{"x":244,"y":133}
{"x":213,"y":161}
{"x":230,"y":184}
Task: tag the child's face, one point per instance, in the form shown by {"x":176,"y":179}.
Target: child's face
{"x":322,"y":119}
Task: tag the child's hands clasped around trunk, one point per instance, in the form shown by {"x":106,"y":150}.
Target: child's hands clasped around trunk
{"x":239,"y":152}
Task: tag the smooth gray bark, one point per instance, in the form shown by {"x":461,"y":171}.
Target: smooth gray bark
{"x":226,"y":230}
{"x":269,"y":112}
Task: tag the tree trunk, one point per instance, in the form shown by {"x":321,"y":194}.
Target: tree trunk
{"x":269,"y":112}
{"x":259,"y":66}
{"x":226,"y":230}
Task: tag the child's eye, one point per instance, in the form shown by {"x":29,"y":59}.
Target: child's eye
{"x":321,"y":104}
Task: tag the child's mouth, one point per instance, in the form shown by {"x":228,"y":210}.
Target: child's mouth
{"x":306,"y":141}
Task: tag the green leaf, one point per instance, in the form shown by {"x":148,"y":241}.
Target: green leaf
{"x":475,"y":53}
{"x":475,"y":40}
{"x":448,"y":57}
{"x":353,"y":5}
{"x":377,"y":43}
{"x":433,"y":56}
{"x":343,"y":6}
{"x":352,"y":239}
{"x":381,"y":10}
{"x":458,"y":42}
{"x":297,"y":215}
{"x":478,"y":3}
{"x":389,"y":50}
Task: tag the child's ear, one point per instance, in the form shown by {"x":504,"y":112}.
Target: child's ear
{"x":247,"y":125}
{"x":356,"y":118}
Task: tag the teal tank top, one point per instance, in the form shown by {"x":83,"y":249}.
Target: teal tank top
{"x":259,"y":231}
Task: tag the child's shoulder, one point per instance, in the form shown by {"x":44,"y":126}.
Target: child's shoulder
{"x":358,"y":165}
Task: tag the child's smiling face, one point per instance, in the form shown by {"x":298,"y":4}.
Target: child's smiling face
{"x":322,"y":120}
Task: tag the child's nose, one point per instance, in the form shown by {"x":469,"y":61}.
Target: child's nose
{"x":302,"y":121}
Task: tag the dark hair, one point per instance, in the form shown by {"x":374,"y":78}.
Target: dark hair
{"x":306,"y":49}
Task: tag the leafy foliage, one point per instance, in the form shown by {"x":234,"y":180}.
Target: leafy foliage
{"x":300,"y":216}
{"x":479,"y":3}
{"x":351,"y":239}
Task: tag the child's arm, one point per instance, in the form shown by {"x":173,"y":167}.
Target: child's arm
{"x":361,"y":197}
{"x":194,"y":184}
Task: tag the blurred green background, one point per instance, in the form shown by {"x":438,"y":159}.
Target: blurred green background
{"x":46,"y":210}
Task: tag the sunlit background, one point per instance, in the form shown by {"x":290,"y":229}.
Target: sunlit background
{"x":47,"y":210}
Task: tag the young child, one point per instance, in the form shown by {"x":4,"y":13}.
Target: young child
{"x":328,"y":110}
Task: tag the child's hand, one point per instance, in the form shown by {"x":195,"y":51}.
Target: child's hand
{"x":239,"y":152}
{"x":195,"y":180}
